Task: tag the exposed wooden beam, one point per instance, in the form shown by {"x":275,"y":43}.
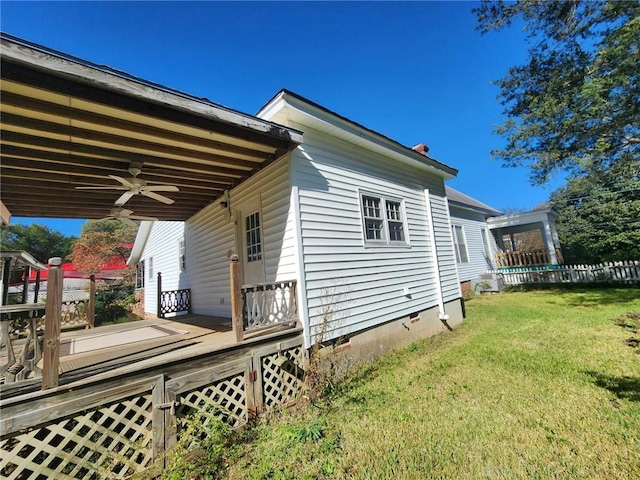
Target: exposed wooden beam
{"x":5,"y":214}
{"x":38,"y":107}
{"x":150,"y":173}
{"x":174,"y":108}
{"x":43,"y":127}
{"x":120,"y":155}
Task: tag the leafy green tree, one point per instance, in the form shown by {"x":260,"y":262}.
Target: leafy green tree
{"x":600,"y":214}
{"x":38,"y":240}
{"x":100,"y":241}
{"x":574,"y":107}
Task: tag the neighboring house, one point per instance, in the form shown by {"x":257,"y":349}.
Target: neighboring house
{"x":475,"y":246}
{"x":527,"y":239}
{"x":358,"y":221}
{"x":485,"y":239}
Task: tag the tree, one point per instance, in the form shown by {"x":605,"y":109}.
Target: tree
{"x":600,"y":214}
{"x":99,"y":243}
{"x":574,"y":107}
{"x":38,"y":240}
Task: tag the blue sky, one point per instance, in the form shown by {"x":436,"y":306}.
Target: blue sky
{"x":415,"y":72}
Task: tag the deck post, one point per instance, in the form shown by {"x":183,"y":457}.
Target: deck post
{"x":236,"y":299}
{"x":159,"y":313}
{"x":36,"y":290}
{"x":53,"y":313}
{"x":91,"y":313}
{"x":25,"y":284}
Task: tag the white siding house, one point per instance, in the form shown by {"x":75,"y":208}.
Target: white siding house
{"x":474,"y":244}
{"x":360,"y":222}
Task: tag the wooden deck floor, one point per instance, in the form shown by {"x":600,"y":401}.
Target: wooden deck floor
{"x":125,"y":348}
{"x":150,"y":342}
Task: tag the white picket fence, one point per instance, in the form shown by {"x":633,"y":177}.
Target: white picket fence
{"x":625,"y":272}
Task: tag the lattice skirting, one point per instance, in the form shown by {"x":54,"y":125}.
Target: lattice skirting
{"x":282,"y":376}
{"x":107,"y":442}
{"x":115,"y":428}
{"x":224,"y":399}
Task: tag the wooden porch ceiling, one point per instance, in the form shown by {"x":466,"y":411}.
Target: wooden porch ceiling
{"x":67,"y":123}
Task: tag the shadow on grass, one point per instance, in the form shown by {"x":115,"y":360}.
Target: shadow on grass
{"x":625,"y":388}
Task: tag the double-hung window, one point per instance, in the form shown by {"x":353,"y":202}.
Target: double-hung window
{"x":460,"y":244}
{"x":182,"y":255}
{"x":383,"y":219}
{"x":140,"y":274}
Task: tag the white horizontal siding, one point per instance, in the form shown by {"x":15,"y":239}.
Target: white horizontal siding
{"x":211,"y":240}
{"x":162,"y":249}
{"x":357,"y":286}
{"x":472,"y":224}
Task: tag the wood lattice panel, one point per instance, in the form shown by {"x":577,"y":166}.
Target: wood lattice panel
{"x":224,"y":399}
{"x":112,"y":441}
{"x":282,"y":375}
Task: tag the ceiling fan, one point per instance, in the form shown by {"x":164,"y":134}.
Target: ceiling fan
{"x":125,"y":215}
{"x":134,"y":186}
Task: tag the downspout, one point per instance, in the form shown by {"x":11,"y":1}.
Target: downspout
{"x":442,"y":314}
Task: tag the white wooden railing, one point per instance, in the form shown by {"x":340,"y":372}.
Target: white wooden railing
{"x":269,"y":304}
{"x":624,"y":272}
{"x":519,"y":258}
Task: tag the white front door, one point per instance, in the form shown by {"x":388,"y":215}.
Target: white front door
{"x":250,"y":232}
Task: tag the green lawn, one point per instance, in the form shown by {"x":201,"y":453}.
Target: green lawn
{"x":533,"y":385}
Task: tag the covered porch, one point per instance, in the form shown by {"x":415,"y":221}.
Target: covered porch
{"x":82,"y":140}
{"x":526,"y":239}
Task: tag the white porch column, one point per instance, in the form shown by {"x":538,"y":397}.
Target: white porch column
{"x":549,"y":240}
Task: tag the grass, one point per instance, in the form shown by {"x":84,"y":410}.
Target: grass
{"x":542,"y":384}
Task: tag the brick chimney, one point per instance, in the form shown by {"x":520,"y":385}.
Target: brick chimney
{"x":422,"y":148}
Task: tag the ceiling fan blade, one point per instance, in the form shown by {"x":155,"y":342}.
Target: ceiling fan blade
{"x":158,"y":197}
{"x":124,"y":198}
{"x":115,"y":187}
{"x":127,"y":220}
{"x":161,"y":188}
{"x":142,"y":217}
{"x":123,"y":181}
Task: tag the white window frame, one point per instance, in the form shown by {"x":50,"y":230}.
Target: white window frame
{"x":456,"y":245}
{"x":384,"y":218}
{"x":150,"y":267}
{"x":182,"y":255}
{"x":254,"y":237}
{"x":140,"y":275}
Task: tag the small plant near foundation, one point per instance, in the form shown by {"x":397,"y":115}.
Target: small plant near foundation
{"x":201,"y":452}
{"x":321,"y":369}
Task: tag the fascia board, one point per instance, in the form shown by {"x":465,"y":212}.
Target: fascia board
{"x":140,"y":242}
{"x":297,"y":110}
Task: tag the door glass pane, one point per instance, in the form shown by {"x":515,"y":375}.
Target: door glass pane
{"x":254,"y":241}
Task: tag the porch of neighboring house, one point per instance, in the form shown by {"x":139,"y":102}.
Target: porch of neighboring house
{"x":526,"y":239}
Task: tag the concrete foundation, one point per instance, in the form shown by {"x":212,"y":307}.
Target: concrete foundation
{"x":375,"y":342}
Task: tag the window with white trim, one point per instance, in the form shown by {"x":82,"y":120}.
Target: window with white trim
{"x":254,"y":239}
{"x":140,"y":274}
{"x":182,"y":255}
{"x":383,"y":219}
{"x":460,"y":244}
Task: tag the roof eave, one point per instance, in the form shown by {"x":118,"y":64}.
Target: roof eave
{"x":325,"y":118}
